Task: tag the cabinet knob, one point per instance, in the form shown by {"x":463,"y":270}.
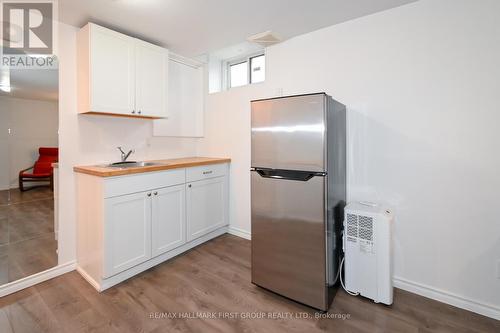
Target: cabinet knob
{"x":149,"y":194}
{"x":133,"y":111}
{"x":189,"y":185}
{"x":155,"y":193}
{"x":139,"y":112}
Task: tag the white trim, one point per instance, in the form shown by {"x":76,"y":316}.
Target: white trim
{"x":184,"y":60}
{"x":481,"y":308}
{"x":11,"y":187}
{"x":239,"y":233}
{"x":87,"y":277}
{"x":439,"y":295}
{"x":34,"y":279}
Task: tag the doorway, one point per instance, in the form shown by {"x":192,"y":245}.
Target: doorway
{"x":28,"y":166}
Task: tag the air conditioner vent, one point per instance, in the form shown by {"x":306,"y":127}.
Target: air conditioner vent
{"x":366,"y":222}
{"x":352,"y":231}
{"x":352,"y":219}
{"x":365,"y":228}
{"x":366,"y":234}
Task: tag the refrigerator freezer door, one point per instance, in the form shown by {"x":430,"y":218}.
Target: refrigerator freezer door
{"x":288,"y":238}
{"x":289,"y":133}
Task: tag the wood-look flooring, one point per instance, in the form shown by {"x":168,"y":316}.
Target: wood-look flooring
{"x":27,"y":240}
{"x":214,"y":278}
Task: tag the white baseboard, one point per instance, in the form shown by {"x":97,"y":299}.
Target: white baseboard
{"x":239,"y":232}
{"x":31,"y":280}
{"x":88,"y":278}
{"x":481,"y":308}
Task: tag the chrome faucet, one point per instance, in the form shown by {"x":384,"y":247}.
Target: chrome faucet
{"x":124,"y":154}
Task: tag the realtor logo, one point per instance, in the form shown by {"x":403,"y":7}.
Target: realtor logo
{"x":28,"y":34}
{"x":27,"y":27}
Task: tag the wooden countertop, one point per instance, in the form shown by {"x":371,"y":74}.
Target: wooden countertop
{"x":176,"y":163}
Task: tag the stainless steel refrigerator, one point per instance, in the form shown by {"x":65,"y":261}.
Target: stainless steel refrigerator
{"x":298,"y":181}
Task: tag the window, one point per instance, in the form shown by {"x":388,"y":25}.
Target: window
{"x":257,"y":69}
{"x":238,"y":74}
{"x":245,"y":71}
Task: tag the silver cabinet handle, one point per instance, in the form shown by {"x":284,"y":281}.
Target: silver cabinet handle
{"x":155,"y":193}
{"x":149,"y":194}
{"x":207,"y":172}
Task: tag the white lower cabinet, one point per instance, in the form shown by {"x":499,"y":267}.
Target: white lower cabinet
{"x":127,"y":224}
{"x":206,"y":202}
{"x":168,"y":219}
{"x":127,"y":232}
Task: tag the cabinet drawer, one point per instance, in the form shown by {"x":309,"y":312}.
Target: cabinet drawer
{"x":127,"y":184}
{"x":205,"y":172}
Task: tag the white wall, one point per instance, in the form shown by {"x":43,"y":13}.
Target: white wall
{"x":33,"y":124}
{"x":87,"y":139}
{"x":421,"y":85}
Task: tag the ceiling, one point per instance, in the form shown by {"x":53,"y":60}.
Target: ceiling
{"x":193,"y":27}
{"x":40,"y":84}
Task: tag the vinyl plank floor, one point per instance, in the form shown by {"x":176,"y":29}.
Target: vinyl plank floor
{"x":27,"y":239}
{"x":215,"y":278}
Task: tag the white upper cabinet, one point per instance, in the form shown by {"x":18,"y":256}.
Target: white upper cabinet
{"x":113,"y":72}
{"x":151,"y":79}
{"x":120,"y":75}
{"x":186,"y":86}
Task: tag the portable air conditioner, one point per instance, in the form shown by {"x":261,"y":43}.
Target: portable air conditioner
{"x":368,"y":251}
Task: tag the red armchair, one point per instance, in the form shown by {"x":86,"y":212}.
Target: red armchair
{"x":42,"y":170}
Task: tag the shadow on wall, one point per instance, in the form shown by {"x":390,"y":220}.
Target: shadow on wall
{"x":430,"y":190}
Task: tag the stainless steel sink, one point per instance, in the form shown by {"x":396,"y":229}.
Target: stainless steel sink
{"x":131,"y":164}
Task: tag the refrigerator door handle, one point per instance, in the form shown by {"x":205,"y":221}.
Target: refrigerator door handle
{"x":287,"y":174}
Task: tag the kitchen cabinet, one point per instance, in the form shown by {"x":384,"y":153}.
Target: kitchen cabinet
{"x":127,"y":232}
{"x":120,"y":75}
{"x":168,"y":223}
{"x":151,"y":79}
{"x":142,"y":225}
{"x":206,"y":200}
{"x":129,"y":223}
{"x":186,"y":104}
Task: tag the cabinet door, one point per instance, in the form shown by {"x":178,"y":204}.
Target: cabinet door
{"x":127,"y":232}
{"x":206,"y":202}
{"x":151,"y":83}
{"x":168,"y":219}
{"x":185,"y":105}
{"x":112,"y":68}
